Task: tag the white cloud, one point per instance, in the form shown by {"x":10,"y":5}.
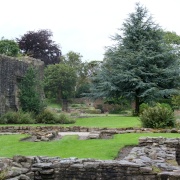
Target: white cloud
{"x":82,"y":26}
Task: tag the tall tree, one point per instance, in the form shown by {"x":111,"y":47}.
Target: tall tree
{"x":30,"y":98}
{"x":38,"y":44}
{"x":141,"y":66}
{"x":60,"y":81}
{"x":73,"y":59}
{"x":9,"y":47}
{"x":173,"y":40}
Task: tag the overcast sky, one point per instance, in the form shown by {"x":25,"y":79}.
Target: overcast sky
{"x":82,"y":26}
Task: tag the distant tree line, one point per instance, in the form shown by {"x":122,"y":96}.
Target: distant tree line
{"x":143,"y":65}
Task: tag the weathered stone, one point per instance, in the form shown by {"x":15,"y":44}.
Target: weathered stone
{"x":47,"y":171}
{"x":24,"y":177}
{"x":12,"y":71}
{"x":42,"y":165}
{"x":145,"y":169}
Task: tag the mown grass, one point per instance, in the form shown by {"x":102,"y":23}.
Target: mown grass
{"x":108,"y":121}
{"x":52,"y":103}
{"x":70,"y":146}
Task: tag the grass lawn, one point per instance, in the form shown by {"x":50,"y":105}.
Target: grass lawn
{"x":107,"y":121}
{"x":70,"y":146}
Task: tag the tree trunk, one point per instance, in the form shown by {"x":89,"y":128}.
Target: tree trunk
{"x":65,"y":105}
{"x":59,"y":96}
{"x":137,"y":104}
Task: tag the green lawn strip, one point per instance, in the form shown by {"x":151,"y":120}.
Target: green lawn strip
{"x":108,"y":121}
{"x":70,"y":146}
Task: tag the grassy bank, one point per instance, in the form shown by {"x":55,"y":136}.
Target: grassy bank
{"x":70,"y":146}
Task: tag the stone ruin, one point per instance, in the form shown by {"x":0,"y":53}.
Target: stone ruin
{"x":140,"y":164}
{"x":12,"y":70}
{"x":155,"y":158}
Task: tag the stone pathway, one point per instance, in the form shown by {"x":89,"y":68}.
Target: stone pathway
{"x":82,"y":135}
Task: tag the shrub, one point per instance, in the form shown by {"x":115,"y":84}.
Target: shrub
{"x":64,"y":119}
{"x":92,"y":111}
{"x":158,"y":116}
{"x":75,"y":114}
{"x":176,"y":102}
{"x":143,"y":107}
{"x":19,"y":117}
{"x":165,"y":105}
{"x":46,"y":117}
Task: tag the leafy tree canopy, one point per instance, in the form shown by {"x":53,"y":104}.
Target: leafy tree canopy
{"x":140,"y":66}
{"x":171,"y":38}
{"x":60,"y":81}
{"x":73,"y":59}
{"x":9,"y":47}
{"x":38,"y":44}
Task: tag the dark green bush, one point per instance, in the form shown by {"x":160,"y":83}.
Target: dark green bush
{"x":158,"y":116}
{"x":19,"y":117}
{"x":165,"y":105}
{"x":143,"y":107}
{"x":92,"y":111}
{"x":46,"y":117}
{"x":64,"y":119}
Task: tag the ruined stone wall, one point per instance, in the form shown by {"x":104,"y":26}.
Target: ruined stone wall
{"x":149,"y":161}
{"x":35,"y":168}
{"x":12,"y":70}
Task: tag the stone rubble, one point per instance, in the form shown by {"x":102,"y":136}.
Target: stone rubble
{"x":154,"y":158}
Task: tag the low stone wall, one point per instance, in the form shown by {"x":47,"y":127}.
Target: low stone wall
{"x":105,"y":131}
{"x":36,"y":168}
{"x":47,"y":133}
{"x":154,"y":159}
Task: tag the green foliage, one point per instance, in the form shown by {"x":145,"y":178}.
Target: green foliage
{"x":92,"y":111}
{"x":141,"y":66}
{"x":176,"y":102}
{"x":3,"y":174}
{"x":171,"y":38}
{"x":82,"y":89}
{"x":143,"y":107}
{"x":29,"y":96}
{"x":64,"y":119}
{"x":59,"y":81}
{"x":159,"y":116}
{"x":19,"y":117}
{"x":48,"y":117}
{"x":165,"y":105}
{"x":73,"y":59}
{"x":9,"y":47}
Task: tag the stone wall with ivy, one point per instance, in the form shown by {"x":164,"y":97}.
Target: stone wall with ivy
{"x":12,"y":70}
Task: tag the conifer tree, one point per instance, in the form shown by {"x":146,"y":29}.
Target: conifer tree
{"x":140,"y":66}
{"x":29,"y":97}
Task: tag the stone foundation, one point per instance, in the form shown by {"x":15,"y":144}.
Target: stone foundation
{"x":153,"y":159}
